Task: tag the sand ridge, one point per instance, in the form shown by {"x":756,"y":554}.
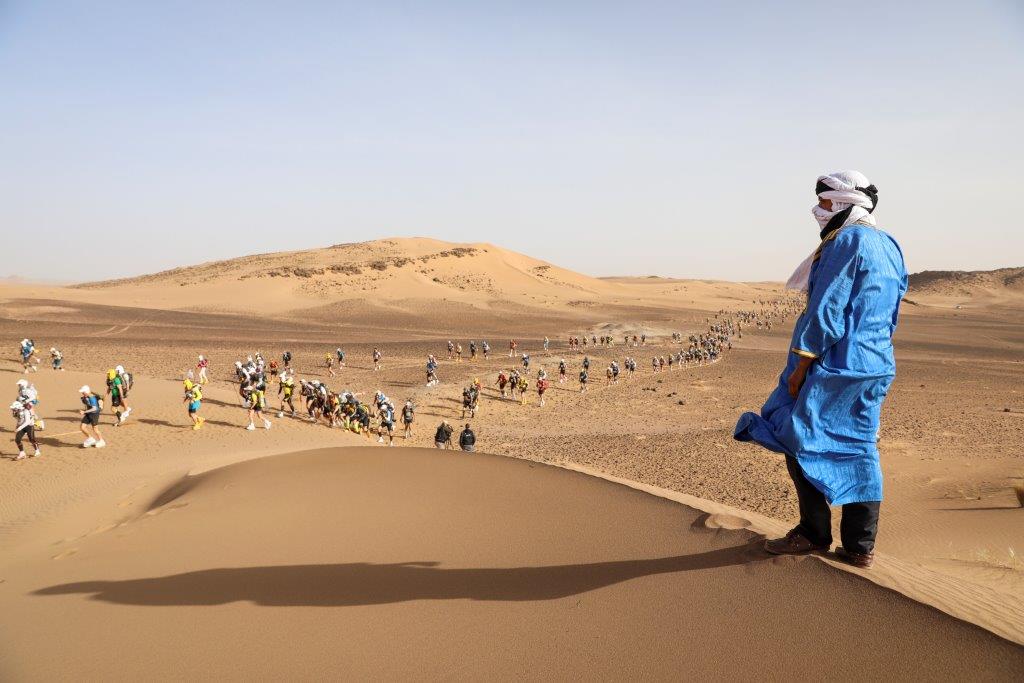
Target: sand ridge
{"x":417,"y":570}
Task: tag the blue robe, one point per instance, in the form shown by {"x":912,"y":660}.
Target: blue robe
{"x":831,"y":427}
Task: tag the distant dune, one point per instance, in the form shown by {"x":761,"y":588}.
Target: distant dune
{"x":403,"y":273}
{"x":1005,"y":285}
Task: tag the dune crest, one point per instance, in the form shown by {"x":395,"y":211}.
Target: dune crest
{"x":400,"y":272}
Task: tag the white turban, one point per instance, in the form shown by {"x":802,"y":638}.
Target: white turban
{"x":852,"y":195}
{"x":853,"y":200}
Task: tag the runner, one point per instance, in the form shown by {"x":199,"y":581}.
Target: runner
{"x":547,"y":344}
{"x":341,"y":357}
{"x":432,"y":371}
{"x":584,"y":378}
{"x":472,"y":350}
{"x":91,"y":418}
{"x":362,"y":418}
{"x":458,"y":352}
{"x":56,"y":359}
{"x":451,"y":350}
{"x":256,"y":394}
{"x":526,"y":361}
{"x":486,"y":348}
{"x":118,"y":385}
{"x":524,"y":384}
{"x":194,"y":399}
{"x":542,"y":386}
{"x":502,"y":382}
{"x":201,"y":368}
{"x":408,"y":415}
{"x":561,"y":371}
{"x":28,"y":351}
{"x":285,"y":390}
{"x":286,"y":359}
{"x":329,"y":364}
{"x":387,"y":423}
{"x":242,"y":375}
{"x":377,"y":356}
{"x":24,"y":421}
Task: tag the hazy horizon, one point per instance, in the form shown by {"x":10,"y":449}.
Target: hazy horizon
{"x":670,"y":139}
{"x":16,"y":278}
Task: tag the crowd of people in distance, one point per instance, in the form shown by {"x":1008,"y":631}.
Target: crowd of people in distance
{"x":343,"y":409}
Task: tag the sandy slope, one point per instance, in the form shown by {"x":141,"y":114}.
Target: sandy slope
{"x":401,"y":274}
{"x":402,"y":562}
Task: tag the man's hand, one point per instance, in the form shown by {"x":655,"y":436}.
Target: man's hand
{"x":798,"y":376}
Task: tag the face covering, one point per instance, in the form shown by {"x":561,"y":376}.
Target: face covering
{"x":853,"y":200}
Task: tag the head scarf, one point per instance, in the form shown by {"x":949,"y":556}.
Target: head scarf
{"x":853,"y":198}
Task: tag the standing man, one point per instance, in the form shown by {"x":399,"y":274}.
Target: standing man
{"x":824,"y":413}
{"x":467,"y":439}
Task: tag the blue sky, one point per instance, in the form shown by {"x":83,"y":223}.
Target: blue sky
{"x":673,"y":138}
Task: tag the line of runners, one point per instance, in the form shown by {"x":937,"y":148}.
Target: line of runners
{"x":344,"y":409}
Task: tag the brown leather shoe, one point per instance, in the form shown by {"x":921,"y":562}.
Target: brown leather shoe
{"x":794,"y":543}
{"x":859,"y":560}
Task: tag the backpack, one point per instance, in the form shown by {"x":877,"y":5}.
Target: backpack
{"x":99,"y":400}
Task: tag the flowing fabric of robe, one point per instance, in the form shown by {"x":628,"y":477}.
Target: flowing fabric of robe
{"x":831,"y":427}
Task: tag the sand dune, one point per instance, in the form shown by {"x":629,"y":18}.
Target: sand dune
{"x":82,"y":543}
{"x":400,"y":273}
{"x":398,"y":563}
{"x":1004,"y":286}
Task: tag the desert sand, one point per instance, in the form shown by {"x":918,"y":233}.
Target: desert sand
{"x":177,"y":553}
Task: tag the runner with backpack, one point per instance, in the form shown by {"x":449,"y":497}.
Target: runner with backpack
{"x":24,"y":428}
{"x":119,"y":383}
{"x":194,"y":399}
{"x":28,"y":351}
{"x":92,"y":407}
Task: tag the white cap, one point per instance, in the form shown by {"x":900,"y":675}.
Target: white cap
{"x":16,"y":406}
{"x":119,"y":369}
{"x":200,"y":356}
{"x":85,"y":389}
{"x":53,"y":348}
{"x":22,"y":383}
{"x":238,"y":363}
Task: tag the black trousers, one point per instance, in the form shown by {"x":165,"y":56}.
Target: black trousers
{"x":859,"y":524}
{"x":29,"y":432}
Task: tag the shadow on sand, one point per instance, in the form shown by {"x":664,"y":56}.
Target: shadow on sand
{"x":363,"y":583}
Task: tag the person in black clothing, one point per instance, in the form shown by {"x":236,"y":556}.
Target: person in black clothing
{"x":443,"y":435}
{"x":467,"y":439}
